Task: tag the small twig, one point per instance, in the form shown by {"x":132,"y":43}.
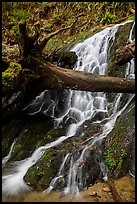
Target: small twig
{"x":122,"y":19}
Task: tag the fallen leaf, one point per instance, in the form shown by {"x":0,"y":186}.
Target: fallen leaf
{"x":107,"y":189}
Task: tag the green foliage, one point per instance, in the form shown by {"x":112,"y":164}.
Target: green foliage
{"x":39,"y":143}
{"x":108,"y":155}
{"x":46,"y":154}
{"x":113,"y":161}
{"x":48,"y":27}
{"x":123,"y":155}
{"x":14,"y":30}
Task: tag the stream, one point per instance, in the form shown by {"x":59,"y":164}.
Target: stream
{"x":78,"y":108}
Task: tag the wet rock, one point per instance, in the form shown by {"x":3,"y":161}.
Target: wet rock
{"x":121,"y":39}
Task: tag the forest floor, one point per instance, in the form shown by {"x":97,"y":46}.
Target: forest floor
{"x":99,"y":192}
{"x":52,"y":16}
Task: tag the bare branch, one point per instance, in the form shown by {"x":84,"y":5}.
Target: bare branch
{"x":46,"y":39}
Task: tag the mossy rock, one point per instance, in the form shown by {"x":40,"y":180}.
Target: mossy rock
{"x":65,"y":58}
{"x":117,"y":149}
{"x":40,"y":175}
{"x":36,"y":134}
{"x":10,"y":77}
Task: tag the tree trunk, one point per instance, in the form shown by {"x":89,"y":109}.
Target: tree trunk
{"x":54,"y":77}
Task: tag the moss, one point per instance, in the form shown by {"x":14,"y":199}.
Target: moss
{"x":39,"y":143}
{"x":10,"y":76}
{"x":131,"y":18}
{"x":16,"y":149}
{"x":111,"y":97}
{"x":123,"y":156}
{"x":65,"y":58}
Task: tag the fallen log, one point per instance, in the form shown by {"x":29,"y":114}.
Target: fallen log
{"x":50,"y":76}
{"x":60,"y":78}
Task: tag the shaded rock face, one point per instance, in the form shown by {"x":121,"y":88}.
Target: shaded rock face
{"x":118,"y":147}
{"x":121,"y":39}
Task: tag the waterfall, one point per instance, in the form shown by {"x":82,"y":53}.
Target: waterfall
{"x":92,"y":57}
{"x":79,"y":106}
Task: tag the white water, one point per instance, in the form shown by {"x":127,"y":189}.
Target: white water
{"x":80,"y":106}
{"x":5,"y":159}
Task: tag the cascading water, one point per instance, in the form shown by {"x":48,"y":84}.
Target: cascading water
{"x":80,"y":106}
{"x":92,"y":57}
